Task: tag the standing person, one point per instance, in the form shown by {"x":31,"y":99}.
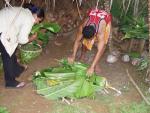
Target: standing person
{"x":94,"y":30}
{"x":16,"y":24}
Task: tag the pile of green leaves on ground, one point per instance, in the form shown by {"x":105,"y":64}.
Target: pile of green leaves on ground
{"x":67,"y":80}
{"x":50,"y":29}
{"x":3,"y":110}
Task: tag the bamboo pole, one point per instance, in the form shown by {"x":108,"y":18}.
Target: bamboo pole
{"x":137,"y":88}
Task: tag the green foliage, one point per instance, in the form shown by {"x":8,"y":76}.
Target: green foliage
{"x":3,"y":110}
{"x":136,"y":29}
{"x":50,"y":28}
{"x":143,"y":64}
{"x":134,"y":54}
{"x":74,"y":108}
{"x":67,"y":80}
{"x":135,"y":108}
{"x":132,"y":107}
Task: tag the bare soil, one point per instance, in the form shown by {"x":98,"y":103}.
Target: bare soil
{"x":26,"y":100}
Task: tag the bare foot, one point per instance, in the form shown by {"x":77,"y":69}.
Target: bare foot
{"x":98,"y":69}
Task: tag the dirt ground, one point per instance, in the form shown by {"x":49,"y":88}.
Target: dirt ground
{"x":26,"y":100}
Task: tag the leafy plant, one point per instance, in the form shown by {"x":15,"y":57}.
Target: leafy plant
{"x":143,"y":64}
{"x":50,"y":28}
{"x":136,"y":29}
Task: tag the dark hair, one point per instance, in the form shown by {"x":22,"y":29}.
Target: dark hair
{"x":88,"y":31}
{"x":34,"y":9}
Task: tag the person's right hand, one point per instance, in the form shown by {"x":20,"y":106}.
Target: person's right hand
{"x":71,"y":59}
{"x":34,"y":36}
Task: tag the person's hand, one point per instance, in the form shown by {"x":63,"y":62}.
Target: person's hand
{"x":34,"y":36}
{"x":71,"y":59}
{"x":90,"y":71}
{"x":39,"y":42}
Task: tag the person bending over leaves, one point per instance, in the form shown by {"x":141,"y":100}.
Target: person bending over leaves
{"x":94,"y":30}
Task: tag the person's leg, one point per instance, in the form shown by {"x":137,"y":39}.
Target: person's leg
{"x":17,"y":68}
{"x":9,"y":74}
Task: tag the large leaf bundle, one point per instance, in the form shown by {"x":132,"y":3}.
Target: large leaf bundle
{"x":49,"y":28}
{"x":67,"y":81}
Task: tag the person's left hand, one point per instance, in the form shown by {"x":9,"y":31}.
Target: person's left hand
{"x":90,"y":71}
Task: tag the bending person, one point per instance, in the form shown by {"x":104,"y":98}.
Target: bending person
{"x":16,"y":24}
{"x":94,"y":30}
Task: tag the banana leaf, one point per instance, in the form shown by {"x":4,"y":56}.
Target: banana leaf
{"x":85,"y":89}
{"x":70,"y":82}
{"x":63,"y":90}
{"x":36,"y":28}
{"x":52,"y":27}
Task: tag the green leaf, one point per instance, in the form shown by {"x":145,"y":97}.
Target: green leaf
{"x":36,"y":28}
{"x":72,"y":81}
{"x":53,"y":27}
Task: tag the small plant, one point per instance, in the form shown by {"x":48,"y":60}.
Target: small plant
{"x":143,"y":64}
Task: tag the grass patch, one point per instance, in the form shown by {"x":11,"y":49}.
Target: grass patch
{"x":130,"y":108}
{"x":3,"y":110}
{"x":74,"y":108}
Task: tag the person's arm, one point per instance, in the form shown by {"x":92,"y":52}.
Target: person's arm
{"x":100,"y":47}
{"x":32,"y":37}
{"x":25,"y":30}
{"x":76,"y":45}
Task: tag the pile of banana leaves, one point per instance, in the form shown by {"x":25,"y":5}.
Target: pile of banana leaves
{"x":50,"y":29}
{"x":67,"y":80}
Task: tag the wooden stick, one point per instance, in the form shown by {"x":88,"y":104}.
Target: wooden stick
{"x":78,"y":10}
{"x":138,"y":89}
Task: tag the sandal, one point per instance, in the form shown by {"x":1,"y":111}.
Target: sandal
{"x":19,"y":85}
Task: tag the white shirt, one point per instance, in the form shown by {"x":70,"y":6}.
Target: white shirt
{"x":15,"y":26}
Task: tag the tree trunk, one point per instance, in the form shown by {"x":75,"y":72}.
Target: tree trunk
{"x":107,"y":8}
{"x":149,"y":38}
